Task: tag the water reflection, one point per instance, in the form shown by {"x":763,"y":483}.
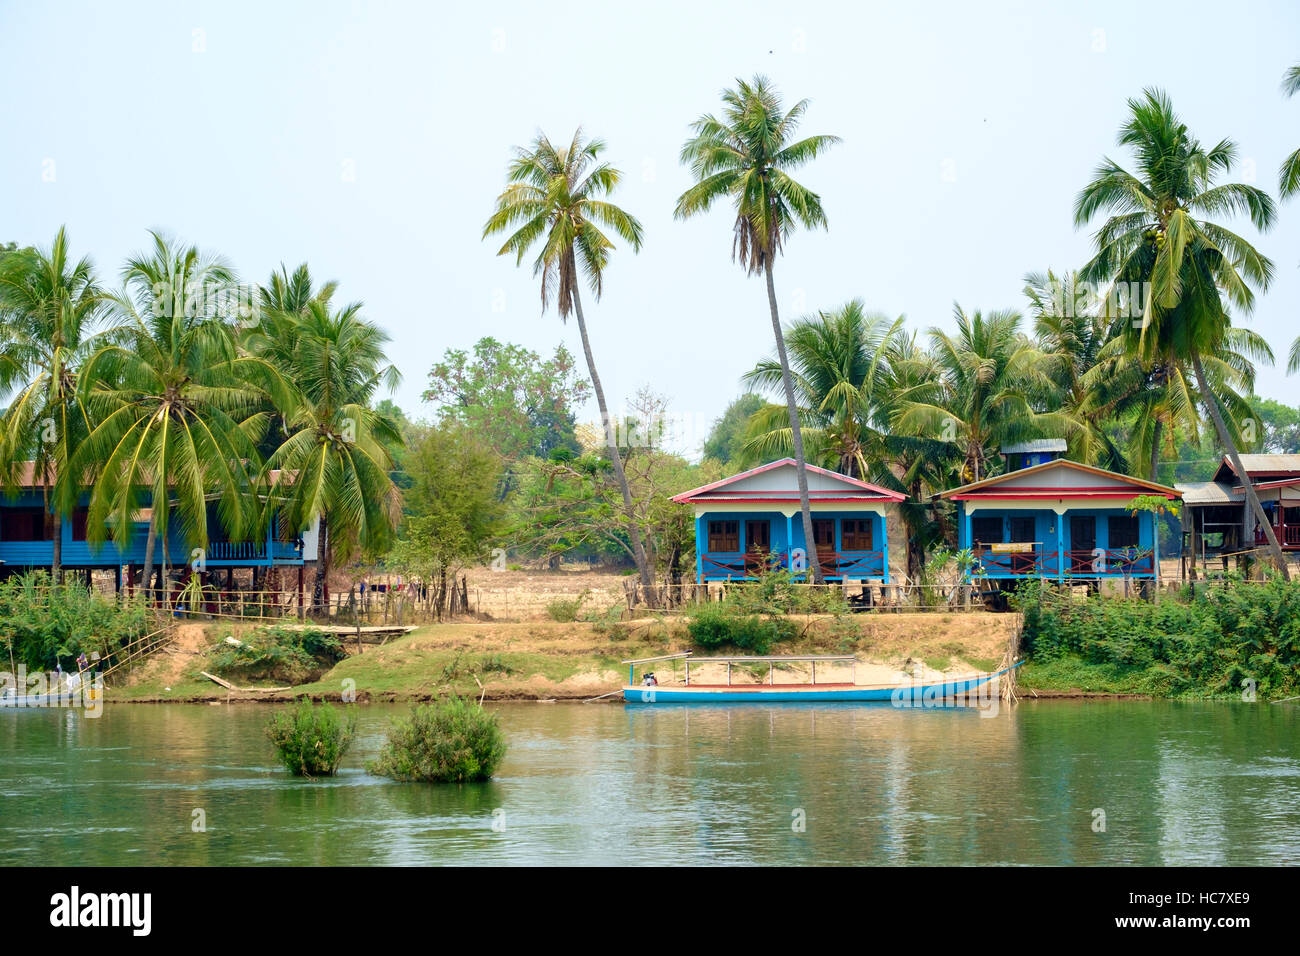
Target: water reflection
{"x":784,"y":783}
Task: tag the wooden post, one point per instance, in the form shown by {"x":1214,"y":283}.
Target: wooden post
{"x":302,"y":612}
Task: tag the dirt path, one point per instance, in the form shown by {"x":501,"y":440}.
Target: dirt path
{"x":179,"y":658}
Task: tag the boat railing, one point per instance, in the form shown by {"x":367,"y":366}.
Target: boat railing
{"x":745,"y":659}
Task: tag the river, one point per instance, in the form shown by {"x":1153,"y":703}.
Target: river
{"x":1059,"y":782}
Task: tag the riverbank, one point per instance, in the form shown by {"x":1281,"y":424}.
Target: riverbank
{"x":569,"y":661}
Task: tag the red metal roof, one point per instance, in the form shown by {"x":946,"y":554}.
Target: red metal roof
{"x":713,"y":490}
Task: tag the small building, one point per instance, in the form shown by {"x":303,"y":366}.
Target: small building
{"x":27,"y":531}
{"x":1060,"y":520}
{"x":751,"y":522}
{"x":1218,"y":519}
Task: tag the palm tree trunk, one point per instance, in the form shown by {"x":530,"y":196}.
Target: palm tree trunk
{"x":318,"y":593}
{"x":149,"y":541}
{"x":796,"y":433}
{"x":1252,"y":500}
{"x":638,"y":547}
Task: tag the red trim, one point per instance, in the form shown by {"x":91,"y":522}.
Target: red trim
{"x":1047,"y":496}
{"x":794,"y":498}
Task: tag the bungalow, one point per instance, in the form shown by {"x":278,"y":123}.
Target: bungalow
{"x":1058,"y":519}
{"x":1218,"y":518}
{"x":27,"y":539}
{"x":751,"y":522}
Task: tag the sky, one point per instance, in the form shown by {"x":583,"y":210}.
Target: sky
{"x":370,"y":140}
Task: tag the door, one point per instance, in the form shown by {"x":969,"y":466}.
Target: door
{"x":758,"y":544}
{"x":1023,"y":533}
{"x":824,"y":537}
{"x":1083,"y":541}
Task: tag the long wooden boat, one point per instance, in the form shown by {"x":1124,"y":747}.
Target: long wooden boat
{"x":908,"y":693}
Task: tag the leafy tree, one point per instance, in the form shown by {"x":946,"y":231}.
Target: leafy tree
{"x":510,"y":395}
{"x":726,"y":441}
{"x":553,"y":197}
{"x":453,"y":511}
{"x":1281,"y":426}
{"x":746,"y":157}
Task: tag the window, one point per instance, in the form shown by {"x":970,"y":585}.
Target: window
{"x":758,"y":535}
{"x":855,"y":534}
{"x":986,"y":530}
{"x":79,"y":519}
{"x":1022,"y":530}
{"x":724,"y":535}
{"x":1123,"y":531}
{"x":25,"y":524}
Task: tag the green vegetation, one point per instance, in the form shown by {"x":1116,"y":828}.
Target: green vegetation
{"x":754,"y":615}
{"x":565,"y":610}
{"x":282,"y":654}
{"x":310,"y":739}
{"x":1209,"y":644}
{"x":47,"y":626}
{"x":449,"y":741}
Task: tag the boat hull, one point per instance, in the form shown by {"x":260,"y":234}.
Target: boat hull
{"x":911,"y":694}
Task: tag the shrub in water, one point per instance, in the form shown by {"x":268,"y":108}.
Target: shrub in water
{"x":446,"y":741}
{"x":311,"y":740}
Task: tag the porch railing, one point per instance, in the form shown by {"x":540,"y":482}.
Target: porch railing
{"x":722,"y":565}
{"x":1043,"y":562}
{"x":1288,"y":535}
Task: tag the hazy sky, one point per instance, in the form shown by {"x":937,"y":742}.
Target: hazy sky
{"x":370,"y":139}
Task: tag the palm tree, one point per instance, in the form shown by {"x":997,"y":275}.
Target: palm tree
{"x":836,"y":365}
{"x":335,"y":449}
{"x":175,"y":406}
{"x":1152,"y":235}
{"x":1071,"y":333}
{"x":747,"y":156}
{"x":553,"y":197}
{"x":1288,"y":178}
{"x":48,"y":308}
{"x":990,"y":374}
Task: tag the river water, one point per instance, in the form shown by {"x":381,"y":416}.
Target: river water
{"x":1059,"y":782}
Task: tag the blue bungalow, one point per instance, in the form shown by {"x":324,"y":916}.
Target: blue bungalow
{"x":27,"y":540}
{"x":751,"y":521}
{"x":1059,"y":520}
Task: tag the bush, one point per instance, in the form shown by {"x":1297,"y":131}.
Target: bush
{"x":1203,"y":644}
{"x":722,"y":624}
{"x":311,"y":740}
{"x":278,"y":653}
{"x":565,"y":610}
{"x":449,"y":741}
{"x":50,"y":625}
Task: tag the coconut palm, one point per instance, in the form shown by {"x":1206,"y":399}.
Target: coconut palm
{"x":49,"y":306}
{"x":334,"y":461}
{"x":990,"y":375}
{"x":1153,"y":236}
{"x":1288,"y":178}
{"x":746,"y":156}
{"x":554,"y":198}
{"x":835,"y":362}
{"x":176,"y":408}
{"x":1071,"y":332}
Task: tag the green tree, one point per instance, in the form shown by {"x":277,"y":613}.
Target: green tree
{"x":509,"y":394}
{"x":1288,"y":179}
{"x":49,"y":306}
{"x":1152,"y":235}
{"x":747,"y":157}
{"x":989,"y":372}
{"x":177,"y":409}
{"x":726,"y":441}
{"x":337,"y":445}
{"x":553,"y":197}
{"x":453,"y":512}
